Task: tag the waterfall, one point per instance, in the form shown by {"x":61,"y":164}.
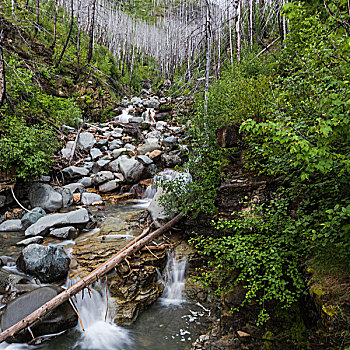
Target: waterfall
{"x":174,"y":280}
{"x":99,"y":330}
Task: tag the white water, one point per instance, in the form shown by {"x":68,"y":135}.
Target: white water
{"x":125,"y":116}
{"x":174,"y":281}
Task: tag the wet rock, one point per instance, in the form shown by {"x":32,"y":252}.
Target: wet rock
{"x":11,"y":226}
{"x":86,"y":181}
{"x":131,"y":169}
{"x":136,"y":120}
{"x":89,"y":198}
{"x":78,"y":217}
{"x":102,"y":177}
{"x":67,"y":198}
{"x":76,"y":186}
{"x":31,"y":240}
{"x":144,"y":160}
{"x":95,"y":153}
{"x":32,"y":217}
{"x":99,"y":165}
{"x":74,"y":172}
{"x":58,"y":320}
{"x":109,"y":186}
{"x":68,"y":232}
{"x":45,"y":262}
{"x":8,"y":280}
{"x":86,"y":141}
{"x":44,"y":196}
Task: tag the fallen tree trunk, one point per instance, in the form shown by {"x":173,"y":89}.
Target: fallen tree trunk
{"x":92,"y":277}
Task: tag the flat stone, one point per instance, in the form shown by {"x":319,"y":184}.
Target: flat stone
{"x":32,"y":217}
{"x":73,"y":187}
{"x":31,"y":240}
{"x":11,"y":226}
{"x":171,"y":160}
{"x":136,"y":120}
{"x":155,"y":154}
{"x":74,"y":171}
{"x":42,"y":226}
{"x":102,"y":177}
{"x":161,"y":125}
{"x":144,"y":160}
{"x":118,"y":152}
{"x":99,"y":165}
{"x":90,"y":198}
{"x":86,"y":181}
{"x":109,"y":186}
{"x":68,"y":232}
{"x":115,"y":144}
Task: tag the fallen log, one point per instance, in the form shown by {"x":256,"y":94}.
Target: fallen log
{"x":92,"y":277}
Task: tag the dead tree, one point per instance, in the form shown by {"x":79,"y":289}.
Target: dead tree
{"x":92,"y":26}
{"x":68,"y":36}
{"x":55,"y":26}
{"x":2,"y":74}
{"x":238,"y":30}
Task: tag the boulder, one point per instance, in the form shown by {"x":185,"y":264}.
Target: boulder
{"x":67,"y":198}
{"x":132,"y":170}
{"x":109,"y":186}
{"x":86,"y":141}
{"x":66,"y":152}
{"x":102,"y":143}
{"x":78,"y":217}
{"x":136,"y":120}
{"x":68,"y":232}
{"x":152,"y":103}
{"x":2,"y":201}
{"x":48,"y":263}
{"x":95,"y":153}
{"x":171,"y":160}
{"x":89,"y":198}
{"x":99,"y":165}
{"x":60,"y":319}
{"x":144,"y":160}
{"x":156,"y":134}
{"x":149,"y":146}
{"x":31,"y":240}
{"x":11,"y":226}
{"x":86,"y":181}
{"x":154,"y":155}
{"x":75,"y":171}
{"x":113,"y":166}
{"x":75,"y":186}
{"x":32,"y":217}
{"x":161,"y":125}
{"x":102,"y":177}
{"x":118,"y":152}
{"x":44,"y":196}
{"x":170,"y":142}
{"x":115,"y":144}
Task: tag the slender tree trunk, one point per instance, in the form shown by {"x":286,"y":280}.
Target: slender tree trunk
{"x":2,"y":74}
{"x":78,"y":43}
{"x":250,"y":24}
{"x":26,"y":4}
{"x":263,"y":20}
{"x":37,"y":16}
{"x":238,"y":31}
{"x":208,"y":53}
{"x":68,"y":36}
{"x":230,"y":34}
{"x":92,"y":25}
{"x":55,"y":26}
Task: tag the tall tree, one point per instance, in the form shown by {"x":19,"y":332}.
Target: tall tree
{"x":68,"y":36}
{"x":92,"y":25}
{"x":238,"y":30}
{"x":55,"y":26}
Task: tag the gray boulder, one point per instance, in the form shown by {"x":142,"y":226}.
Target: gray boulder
{"x":75,"y":186}
{"x":44,"y":196}
{"x":170,"y":141}
{"x":144,"y":160}
{"x":89,"y":198}
{"x":78,"y":217}
{"x":161,"y":125}
{"x":136,"y":120}
{"x":11,"y":226}
{"x":102,"y":176}
{"x":99,"y":165}
{"x":75,"y":171}
{"x":113,"y":166}
{"x":60,"y":319}
{"x":86,"y":181}
{"x":68,"y":232}
{"x":95,"y":153}
{"x":31,"y":240}
{"x":32,"y":217}
{"x":118,"y":152}
{"x":86,"y":141}
{"x":115,"y":144}
{"x":66,"y":152}
{"x":171,"y":160}
{"x":152,"y":103}
{"x":48,"y":263}
{"x":109,"y":186}
{"x":67,"y":198}
{"x":132,"y":170}
{"x":2,"y":201}
{"x":149,"y":146}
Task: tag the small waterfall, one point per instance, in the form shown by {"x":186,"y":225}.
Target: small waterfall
{"x":150,"y":192}
{"x":99,"y":333}
{"x":174,"y":280}
{"x":125,"y":116}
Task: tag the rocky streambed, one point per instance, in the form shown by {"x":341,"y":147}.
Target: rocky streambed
{"x":85,"y":213}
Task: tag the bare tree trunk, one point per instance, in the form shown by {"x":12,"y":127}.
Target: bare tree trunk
{"x":208,"y":53}
{"x":238,"y":31}
{"x":37,"y":16}
{"x":250,"y":24}
{"x":92,"y":277}
{"x":263,"y":20}
{"x":230,"y":34}
{"x":78,"y":40}
{"x":92,"y":25}
{"x":68,"y":36}
{"x":2,"y":74}
{"x":55,"y":26}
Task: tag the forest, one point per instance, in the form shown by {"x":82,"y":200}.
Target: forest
{"x":257,"y":95}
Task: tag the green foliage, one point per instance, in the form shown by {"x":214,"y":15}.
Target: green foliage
{"x":262,"y":249}
{"x":26,"y":150}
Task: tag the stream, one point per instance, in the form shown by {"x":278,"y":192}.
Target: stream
{"x":172,"y":322}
